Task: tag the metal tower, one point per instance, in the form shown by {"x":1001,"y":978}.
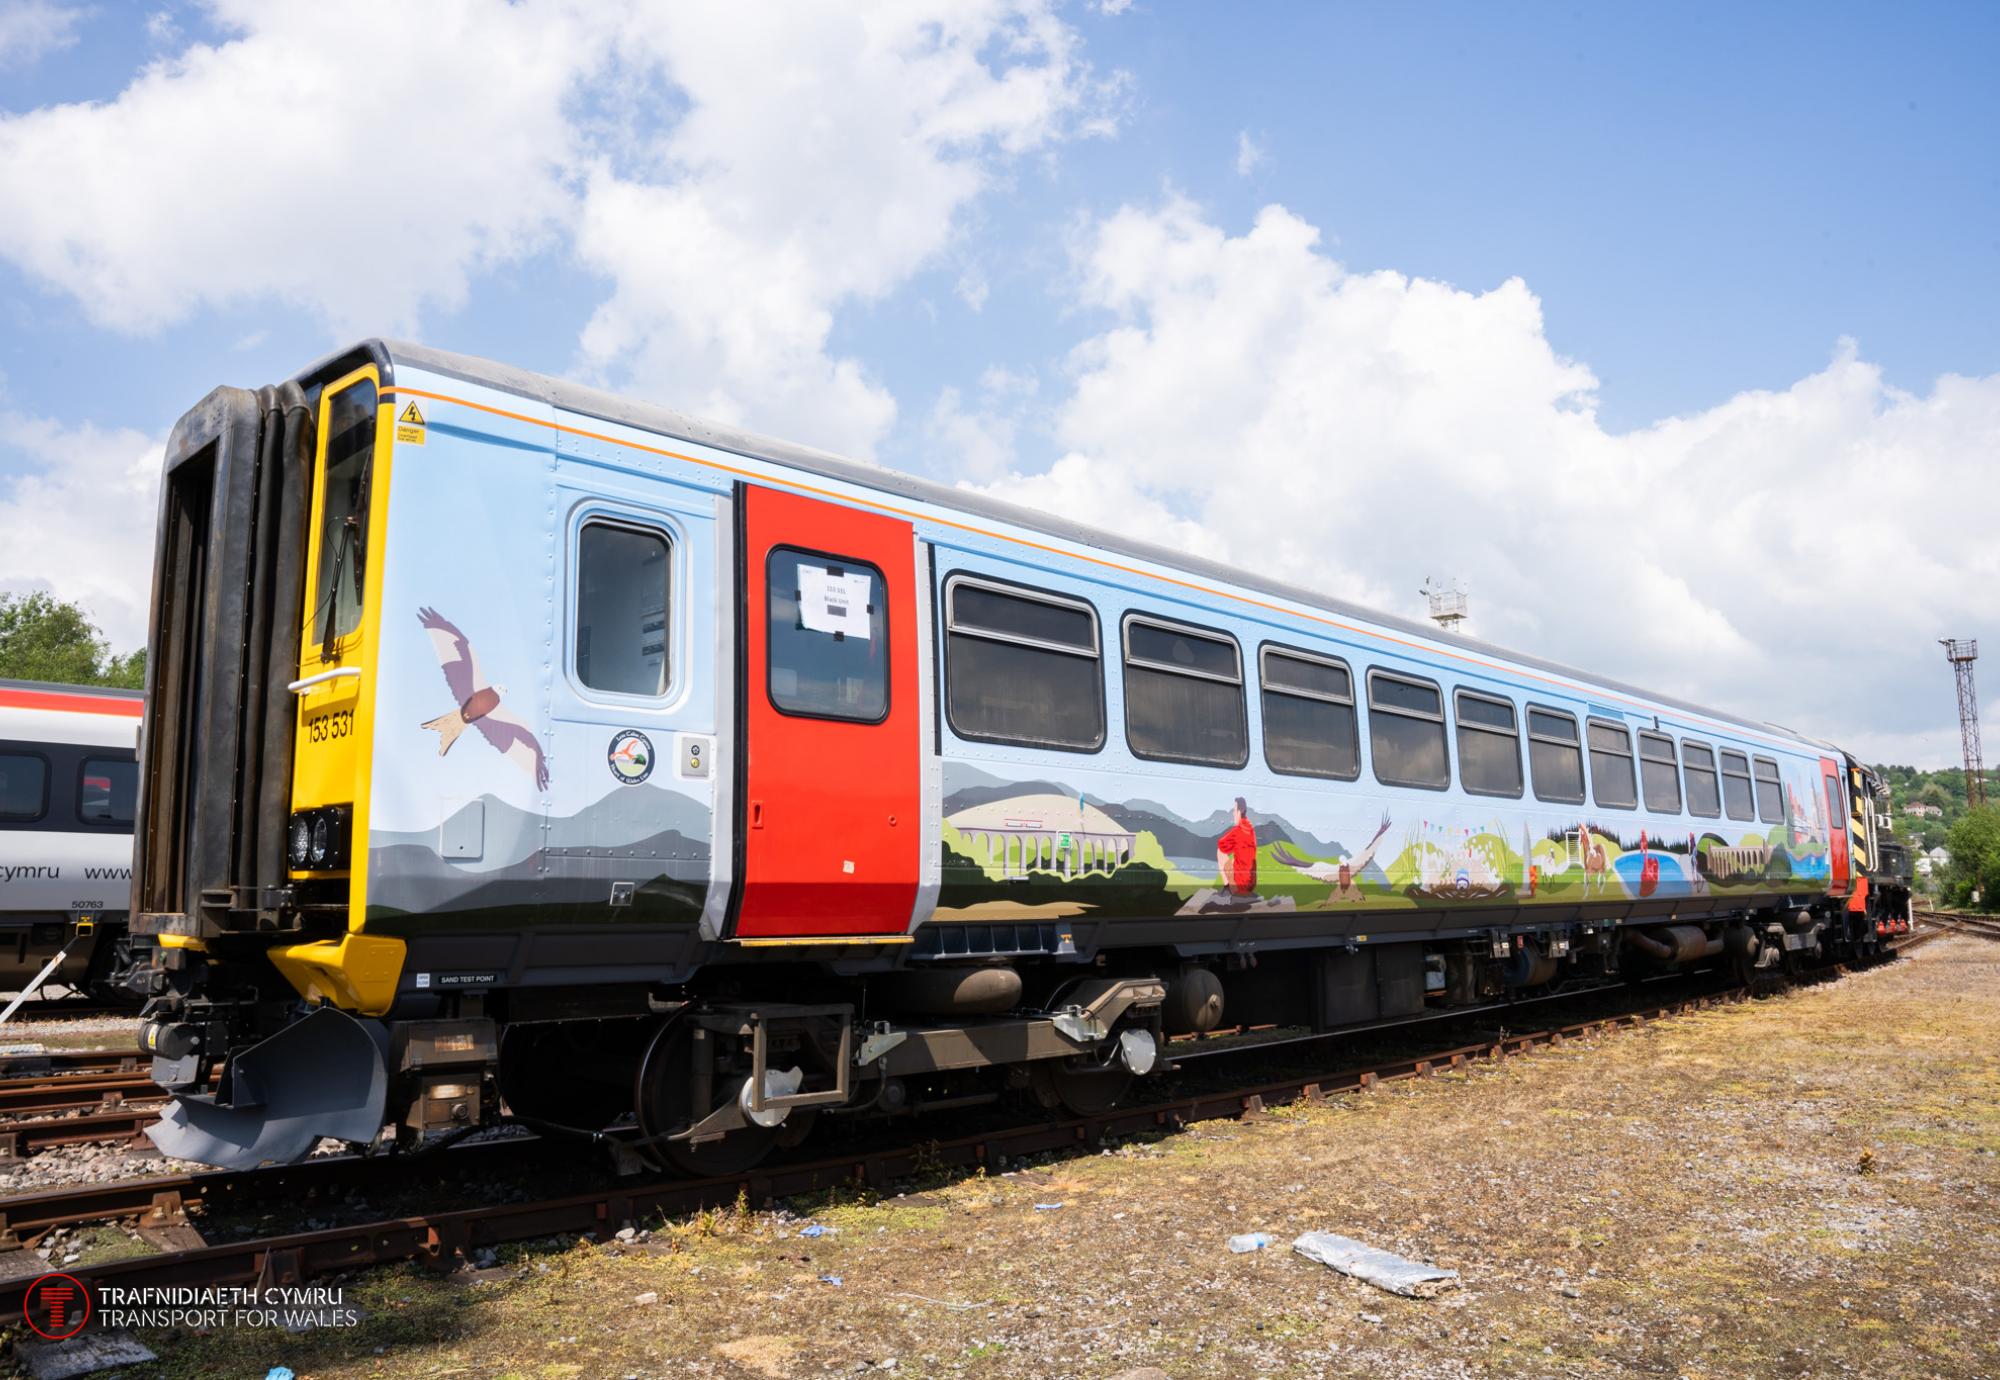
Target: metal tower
{"x":1448,"y":603}
{"x":1962,"y":655}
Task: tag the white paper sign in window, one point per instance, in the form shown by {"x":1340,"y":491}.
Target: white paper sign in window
{"x":831,"y":603}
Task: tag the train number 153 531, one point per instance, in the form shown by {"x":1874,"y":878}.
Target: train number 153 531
{"x":324,"y":728}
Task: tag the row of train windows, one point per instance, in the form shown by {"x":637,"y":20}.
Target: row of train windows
{"x":1023,"y":666}
{"x":106,"y":787}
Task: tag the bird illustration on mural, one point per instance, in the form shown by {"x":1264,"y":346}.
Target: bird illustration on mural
{"x":479,"y":704}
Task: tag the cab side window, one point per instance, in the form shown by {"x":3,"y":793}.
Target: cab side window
{"x":343,"y":513}
{"x":624,"y":582}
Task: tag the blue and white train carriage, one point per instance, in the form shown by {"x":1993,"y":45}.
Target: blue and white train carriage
{"x":500,"y":728}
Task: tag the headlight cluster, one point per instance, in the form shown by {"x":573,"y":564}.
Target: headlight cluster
{"x":317,"y":839}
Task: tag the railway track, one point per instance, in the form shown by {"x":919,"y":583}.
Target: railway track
{"x":160,"y":1208}
{"x":1962,"y":922}
{"x":69,"y":1009}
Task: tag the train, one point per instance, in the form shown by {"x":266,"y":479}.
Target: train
{"x":515,"y":750}
{"x":68,"y":787}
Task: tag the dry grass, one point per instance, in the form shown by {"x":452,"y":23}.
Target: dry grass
{"x":1686,"y":1200}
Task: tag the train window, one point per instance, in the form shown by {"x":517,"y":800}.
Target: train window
{"x":1659,"y":774}
{"x":24,"y":786}
{"x":829,"y":636}
{"x":1309,"y":718}
{"x":623,"y":579}
{"x":107,"y":790}
{"x":343,"y":510}
{"x":1555,"y":760}
{"x":1406,"y":731}
{"x":1770,"y":796}
{"x":1184,"y":694}
{"x":1022,"y":666}
{"x":1489,"y":745}
{"x":1698,"y":766}
{"x":1736,"y":786}
{"x":1611,"y":780}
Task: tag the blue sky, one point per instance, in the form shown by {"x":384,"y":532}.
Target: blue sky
{"x":1700,"y":203}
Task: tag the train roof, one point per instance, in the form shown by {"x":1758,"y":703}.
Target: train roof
{"x":583,"y":400}
{"x":114,"y":699}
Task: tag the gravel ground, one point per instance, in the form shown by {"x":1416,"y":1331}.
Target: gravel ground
{"x":71,"y":1032}
{"x":1805,"y":1186}
{"x":74,"y":1164}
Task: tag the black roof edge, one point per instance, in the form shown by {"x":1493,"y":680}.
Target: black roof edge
{"x":586,"y":401}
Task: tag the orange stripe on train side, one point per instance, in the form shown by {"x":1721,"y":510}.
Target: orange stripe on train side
{"x":73,"y":704}
{"x":916,"y":515}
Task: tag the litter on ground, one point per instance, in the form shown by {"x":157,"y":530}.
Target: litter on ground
{"x":1409,"y":1278}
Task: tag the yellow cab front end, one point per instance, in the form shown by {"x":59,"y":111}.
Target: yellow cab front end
{"x":339,"y":645}
{"x":250,"y":856}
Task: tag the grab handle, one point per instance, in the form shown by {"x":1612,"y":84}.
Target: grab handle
{"x":322,"y":677}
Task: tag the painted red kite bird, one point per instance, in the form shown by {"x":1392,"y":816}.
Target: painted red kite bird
{"x":478,"y":703}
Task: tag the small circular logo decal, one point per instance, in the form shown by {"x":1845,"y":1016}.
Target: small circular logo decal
{"x":64,"y":1303}
{"x":630,"y":756}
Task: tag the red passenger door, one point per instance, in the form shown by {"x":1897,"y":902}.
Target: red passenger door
{"x":831,"y":751}
{"x":1836,"y":826}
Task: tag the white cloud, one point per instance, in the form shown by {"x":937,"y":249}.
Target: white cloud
{"x":32,"y":29}
{"x":1790,"y":554}
{"x":337,"y":156}
{"x":738,"y":176}
{"x":79,"y":519}
{"x":972,"y":289}
{"x":824,"y":156}
{"x":982,"y":443}
{"x":1250,"y":154}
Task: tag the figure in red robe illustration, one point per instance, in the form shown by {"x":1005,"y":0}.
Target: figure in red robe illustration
{"x":1236,"y":853}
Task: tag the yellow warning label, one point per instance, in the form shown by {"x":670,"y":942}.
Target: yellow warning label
{"x":410,"y":425}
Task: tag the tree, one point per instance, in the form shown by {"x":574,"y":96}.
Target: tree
{"x":46,"y":638}
{"x":1975,"y":858}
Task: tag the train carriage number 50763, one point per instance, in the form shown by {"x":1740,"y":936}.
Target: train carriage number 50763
{"x":324,"y":728}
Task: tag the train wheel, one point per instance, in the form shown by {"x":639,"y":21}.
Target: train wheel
{"x":1083,"y":1089}
{"x":662,"y":1097}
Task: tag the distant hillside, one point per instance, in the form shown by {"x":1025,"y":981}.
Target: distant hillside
{"x":1944,"y":789}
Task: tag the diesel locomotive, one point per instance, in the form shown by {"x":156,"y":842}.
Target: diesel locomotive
{"x":515,"y":750}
